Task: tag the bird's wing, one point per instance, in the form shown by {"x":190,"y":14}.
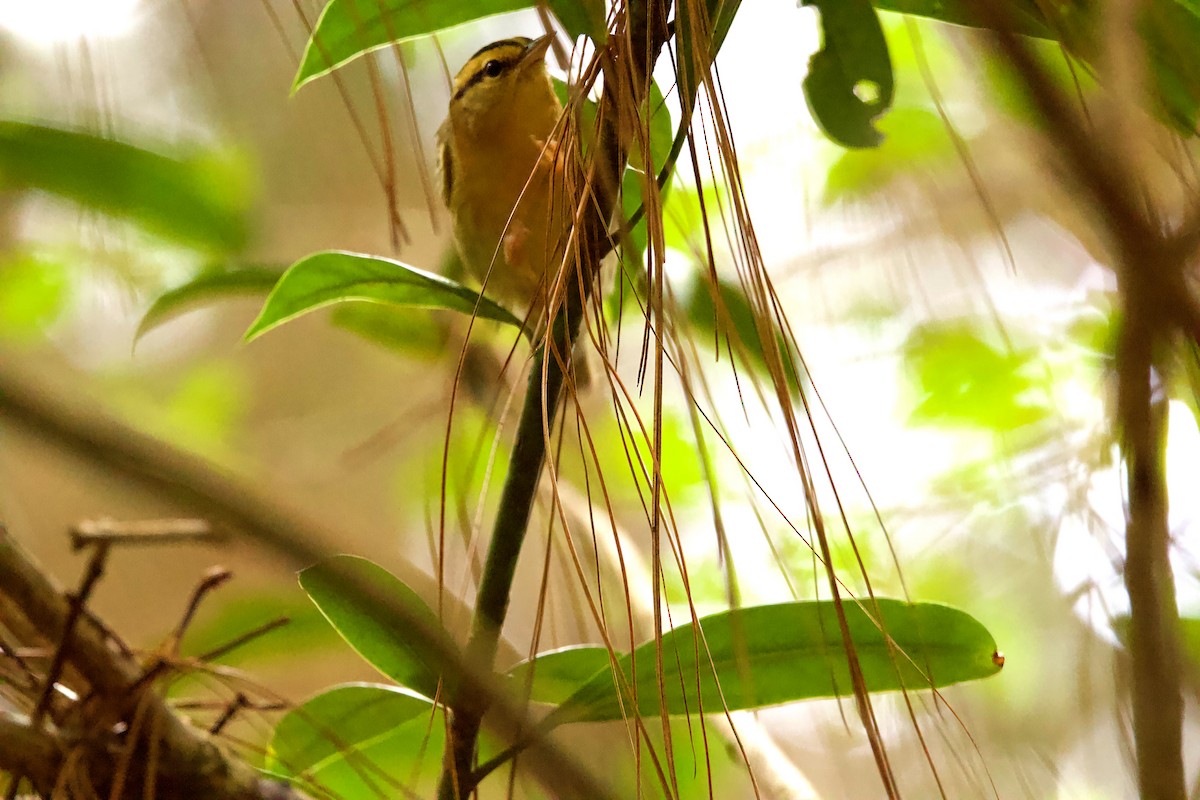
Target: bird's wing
{"x":445,"y":160}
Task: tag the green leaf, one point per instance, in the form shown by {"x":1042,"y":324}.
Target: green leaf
{"x":684,"y":215}
{"x":962,"y":379}
{"x":375,"y":634}
{"x":199,"y":199}
{"x":1027,"y":19}
{"x":849,"y":82}
{"x":697,"y":303}
{"x":582,"y":18}
{"x":348,"y":29}
{"x":323,"y":279}
{"x":33,"y":293}
{"x":767,"y":655}
{"x":915,"y":138}
{"x":555,"y":675}
{"x":204,"y":289}
{"x":1171,"y":32}
{"x":329,"y":726}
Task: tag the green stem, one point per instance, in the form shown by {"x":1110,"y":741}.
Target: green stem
{"x":543,"y":393}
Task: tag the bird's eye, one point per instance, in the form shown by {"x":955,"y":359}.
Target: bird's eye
{"x":493,"y":69}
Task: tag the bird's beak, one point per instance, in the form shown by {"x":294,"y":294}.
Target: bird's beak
{"x":535,"y":51}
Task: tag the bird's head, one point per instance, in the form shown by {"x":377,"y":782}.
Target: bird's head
{"x":504,"y":85}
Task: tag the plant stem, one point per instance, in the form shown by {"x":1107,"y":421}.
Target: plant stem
{"x":634,"y":47}
{"x":1154,"y":616}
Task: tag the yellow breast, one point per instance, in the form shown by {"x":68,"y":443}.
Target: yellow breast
{"x":498,"y":160}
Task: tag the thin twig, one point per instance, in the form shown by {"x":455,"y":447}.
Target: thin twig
{"x":244,"y":639}
{"x":213,"y":579}
{"x":95,"y":569}
{"x":143,"y":532}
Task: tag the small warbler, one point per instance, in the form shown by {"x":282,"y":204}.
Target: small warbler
{"x":500,"y":166}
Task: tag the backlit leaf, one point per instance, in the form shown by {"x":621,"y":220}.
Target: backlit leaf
{"x":337,"y":722}
{"x":204,"y":289}
{"x":376,"y":634}
{"x":849,"y":82}
{"x":348,"y":29}
{"x":767,"y":655}
{"x":335,"y":276}
{"x":555,"y":675}
{"x":963,"y":379}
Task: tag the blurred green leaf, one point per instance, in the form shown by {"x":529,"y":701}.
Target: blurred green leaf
{"x":323,"y":279}
{"x":684,"y":215}
{"x":204,"y":289}
{"x":767,"y":655}
{"x":1026,"y":17}
{"x":616,"y":449}
{"x":348,"y":29}
{"x":849,"y":83}
{"x":375,"y":635}
{"x":306,"y":630}
{"x":696,"y":301}
{"x":198,"y":199}
{"x":582,"y":18}
{"x":339,"y":721}
{"x":913,"y":138}
{"x":962,"y":379}
{"x":204,"y":411}
{"x":395,"y":328}
{"x":33,"y":292}
{"x":1171,"y":31}
{"x":555,"y":675}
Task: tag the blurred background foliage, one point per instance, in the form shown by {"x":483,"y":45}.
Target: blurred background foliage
{"x":952,"y":306}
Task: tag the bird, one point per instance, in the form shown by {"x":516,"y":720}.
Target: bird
{"x":500,"y":166}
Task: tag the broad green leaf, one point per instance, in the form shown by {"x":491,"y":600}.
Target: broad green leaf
{"x":334,"y":276}
{"x":555,"y":675}
{"x":582,"y":18}
{"x":962,"y":379}
{"x":206,"y":288}
{"x":849,"y":82}
{"x":348,"y":29}
{"x":198,"y":199}
{"x":767,"y":655}
{"x":33,"y":292}
{"x":337,"y":722}
{"x":375,"y":634}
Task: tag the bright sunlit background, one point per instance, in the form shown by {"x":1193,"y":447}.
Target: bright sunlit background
{"x":955,"y":338}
